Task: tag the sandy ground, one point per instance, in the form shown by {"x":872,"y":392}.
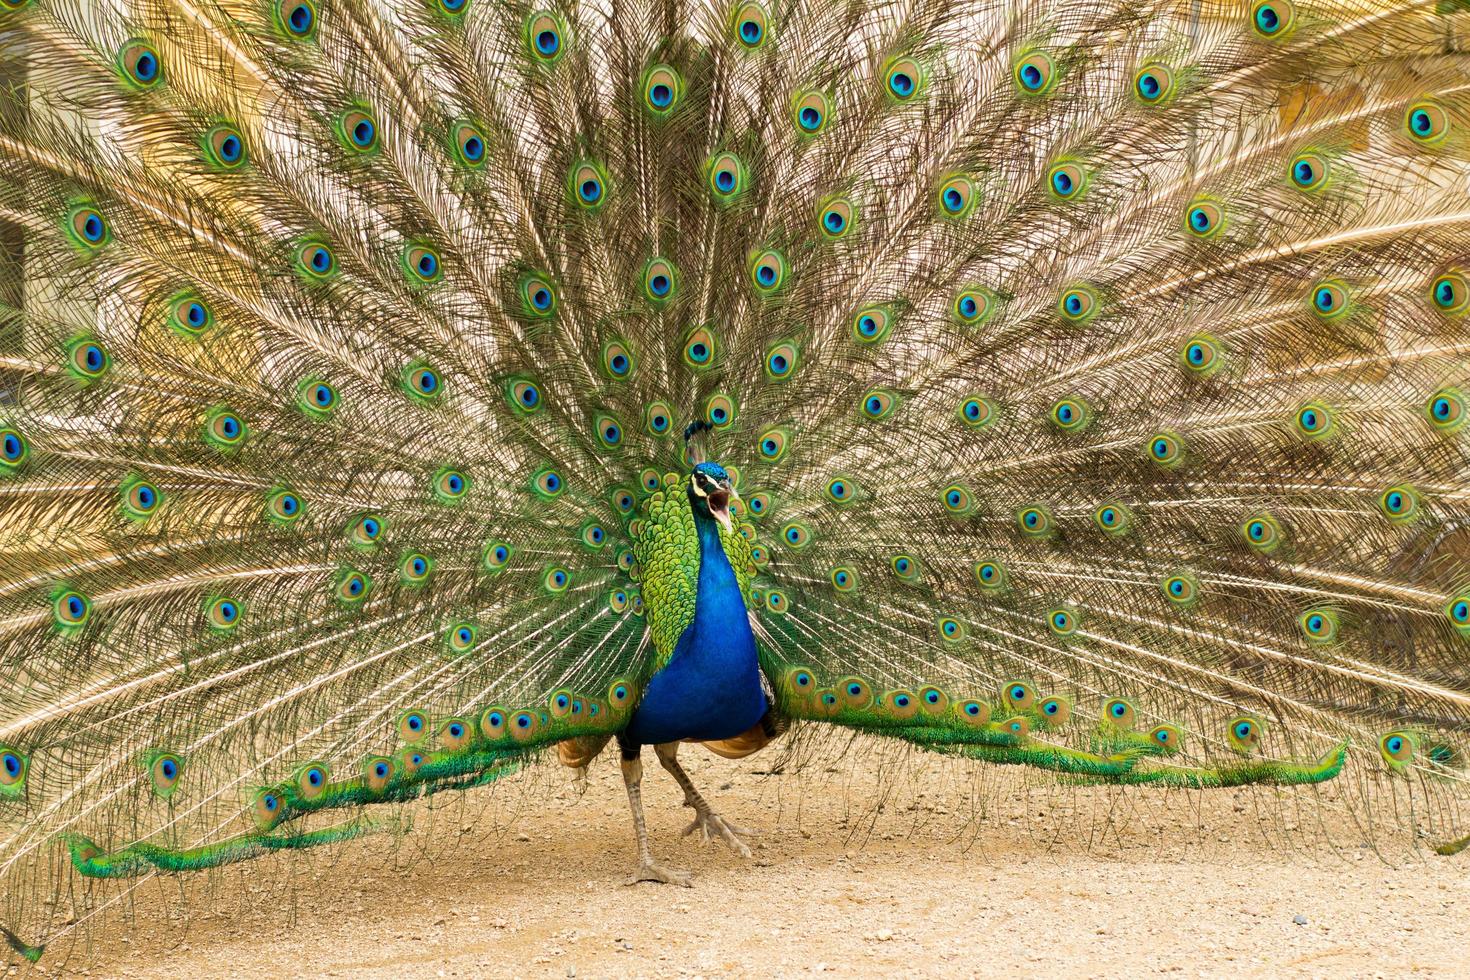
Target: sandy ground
{"x":866,"y":863}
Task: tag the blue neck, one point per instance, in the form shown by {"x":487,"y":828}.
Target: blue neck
{"x":720,"y":620}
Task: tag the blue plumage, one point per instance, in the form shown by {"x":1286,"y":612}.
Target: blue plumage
{"x":711,"y":687}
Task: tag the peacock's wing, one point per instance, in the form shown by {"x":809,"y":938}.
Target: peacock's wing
{"x":666,"y":547}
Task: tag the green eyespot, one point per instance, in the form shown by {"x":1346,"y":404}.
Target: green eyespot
{"x":872,"y":324}
{"x":358,"y":130}
{"x":1034,"y":74}
{"x":422,"y":264}
{"x":1078,"y":304}
{"x":1066,"y":180}
{"x":725,"y":175}
{"x":351,"y":587}
{"x":496,"y":556}
{"x":957,"y":499}
{"x":70,"y":610}
{"x":1166,"y":449}
{"x":86,"y":226}
{"x":1314,"y":421}
{"x":903,"y":79}
{"x":450,"y":485}
{"x":878,"y":404}
{"x":1070,"y":415}
{"x":991,"y":575}
{"x":1113,"y":519}
{"x":87,"y":360}
{"x":140,"y":498}
{"x":750,"y":24}
{"x":460,"y":638}
{"x":546,"y":37}
{"x":223,"y":613}
{"x":224,"y":147}
{"x":700,"y":349}
{"x":189,"y":316}
{"x":768,"y":271}
{"x":1427,"y":122}
{"x":1201,"y":355}
{"x":1262,"y":533}
{"x":957,"y":197}
{"x":1181,"y":589}
{"x":1400,"y":504}
{"x":1446,"y":410}
{"x":283,"y":507}
{"x":422,"y":383}
{"x":1319,"y":625}
{"x":316,"y":398}
{"x":587,"y":185}
{"x":810,"y":112}
{"x":663,"y":87}
{"x":1034,"y":521}
{"x":415,"y":569}
{"x":139,"y":64}
{"x":660,"y":281}
{"x":1153,"y":84}
{"x":225,"y":430}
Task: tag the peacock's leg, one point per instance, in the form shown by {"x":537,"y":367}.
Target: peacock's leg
{"x":647,"y":869}
{"x":705,"y":819}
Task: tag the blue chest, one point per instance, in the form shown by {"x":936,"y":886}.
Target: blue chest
{"x":711,"y":687}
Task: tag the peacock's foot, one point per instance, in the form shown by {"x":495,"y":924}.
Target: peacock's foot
{"x":649,"y":871}
{"x":710,"y":824}
{"x":579,"y":781}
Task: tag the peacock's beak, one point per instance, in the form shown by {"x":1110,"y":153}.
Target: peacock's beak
{"x":719,"y":505}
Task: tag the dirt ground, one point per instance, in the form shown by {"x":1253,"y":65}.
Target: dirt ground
{"x":867,"y":862}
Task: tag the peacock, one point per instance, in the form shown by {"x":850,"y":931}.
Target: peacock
{"x":394,"y":395}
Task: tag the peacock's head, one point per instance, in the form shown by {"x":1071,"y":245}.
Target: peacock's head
{"x":710,"y":492}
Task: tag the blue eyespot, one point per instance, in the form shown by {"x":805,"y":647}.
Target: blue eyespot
{"x":1061,"y":182}
{"x":725,"y":180}
{"x":547,"y":43}
{"x":750,"y":32}
{"x":902,"y":84}
{"x":811,"y":118}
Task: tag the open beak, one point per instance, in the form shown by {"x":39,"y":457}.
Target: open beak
{"x":719,"y":505}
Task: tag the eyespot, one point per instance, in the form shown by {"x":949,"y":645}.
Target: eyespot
{"x":71,"y":609}
{"x":971,"y":306}
{"x":224,"y":430}
{"x":1120,"y":713}
{"x":366,"y":530}
{"x":781,"y":361}
{"x":1034,"y":73}
{"x":843,"y":578}
{"x":223,"y":613}
{"x":139,"y":63}
{"x":1153,"y":84}
{"x":189,"y":315}
{"x":496,"y":555}
{"x":1062,"y":622}
{"x":593,"y":535}
{"x":840,"y":489}
{"x":1262,"y":533}
{"x":378,"y":772}
{"x":976,"y":412}
{"x":877,"y":403}
{"x":1066,"y":181}
{"x":1113,"y":518}
{"x":1201,"y":355}
{"x":1314,"y":420}
{"x":750,"y":25}
{"x":557,"y":580}
{"x":1309,"y":172}
{"x":548,"y":483}
{"x":950,"y":630}
{"x":1078,"y":304}
{"x":267,"y":808}
{"x":1019,"y":695}
{"x":1427,"y":122}
{"x":415,"y":568}
{"x":651,"y":481}
{"x":423,"y":264}
{"x":1070,"y":415}
{"x":662,"y":88}
{"x":1166,"y":738}
{"x":88,"y":228}
{"x":453,"y":8}
{"x":469,"y":145}
{"x":1398,"y":748}
{"x":413,"y":725}
{"x":810,"y":112}
{"x":284,"y":507}
{"x":902,"y":79}
{"x":1245,"y":733}
{"x":524,"y":395}
{"x":461,"y":637}
{"x":1446,"y":410}
{"x":759,"y":503}
{"x":906,"y":567}
{"x":225,"y":147}
{"x":1204,"y":219}
{"x":990,"y":574}
{"x":1329,"y":299}
{"x":1034,"y":521}
{"x":699,"y":349}
{"x":86,"y":359}
{"x":854,"y":692}
{"x":13,"y":450}
{"x":1181,"y":589}
{"x":1458,"y":611}
{"x":544,"y":37}
{"x":359,"y":130}
{"x":1273,"y":18}
{"x":316,"y":398}
{"x":620,"y":695}
{"x":297,"y":18}
{"x":164,"y":771}
{"x":1400,"y":504}
{"x":609,"y":431}
{"x":776,"y":601}
{"x":454,"y":734}
{"x":622,"y":500}
{"x":538,"y":297}
{"x":768,"y":272}
{"x":316,"y":260}
{"x":617,"y":360}
{"x":588,"y":186}
{"x":957,"y":499}
{"x":796,"y":535}
{"x":423,"y":383}
{"x":720,"y":411}
{"x":1166,"y":449}
{"x":1451,"y":293}
{"x":660,"y":280}
{"x":835,"y":217}
{"x":1319,"y":625}
{"x":871,"y":325}
{"x":773,"y":444}
{"x":140,"y":498}
{"x":957,"y":197}
{"x":725,"y":174}
{"x":1055,"y":711}
{"x":973,"y":712}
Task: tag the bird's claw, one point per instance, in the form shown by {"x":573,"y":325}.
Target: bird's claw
{"x":706,"y":821}
{"x":648,"y":871}
{"x":579,"y":781}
